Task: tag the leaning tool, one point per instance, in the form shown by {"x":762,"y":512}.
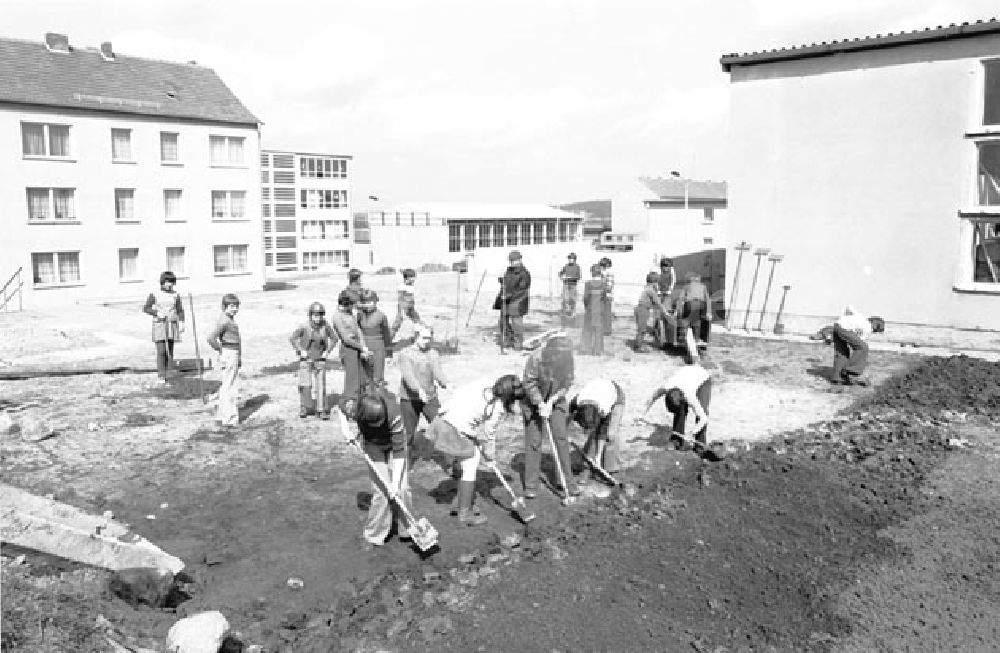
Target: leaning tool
{"x":567,"y":497}
{"x":760,"y":253}
{"x":774,"y":259}
{"x":424,"y":535}
{"x":472,"y":309}
{"x":744,"y":246}
{"x":197,"y":352}
{"x":779,"y":328}
{"x":596,"y":466}
{"x":517,"y":505}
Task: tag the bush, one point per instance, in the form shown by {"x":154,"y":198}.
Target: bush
{"x":386,"y":270}
{"x":434,"y":267}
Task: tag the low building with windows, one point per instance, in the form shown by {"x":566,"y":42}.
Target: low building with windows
{"x":442,"y":233}
{"x":305,"y":203}
{"x":673,"y":215}
{"x":116,"y":168}
{"x":873,"y":166}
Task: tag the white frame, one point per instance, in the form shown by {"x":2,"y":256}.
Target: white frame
{"x":182,"y":274}
{"x":180,"y":202}
{"x":228,"y":217}
{"x":228,"y":163}
{"x":45,"y":132}
{"x":120,"y":220}
{"x":131,"y":149}
{"x":52,"y":205}
{"x":230,"y":251}
{"x":170,"y":162}
{"x":138,"y":266}
{"x":55,"y":261}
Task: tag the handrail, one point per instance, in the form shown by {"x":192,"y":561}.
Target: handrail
{"x":5,"y":299}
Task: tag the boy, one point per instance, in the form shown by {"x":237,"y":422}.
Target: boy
{"x":695,"y":305}
{"x":374,"y":326}
{"x":353,"y":288}
{"x":514,"y":301}
{"x":595,"y":294}
{"x":167,"y":309}
{"x":406,"y":302}
{"x":570,"y":276}
{"x":384,"y":441}
{"x":225,"y":339}
{"x":667,"y":279}
{"x":648,"y":311}
{"x":689,"y":388}
{"x":420,"y":375}
{"x":548,"y":374}
{"x":850,"y":347}
{"x":352,"y":345}
{"x":609,"y":282}
{"x":598,"y":408}
{"x":313,"y":342}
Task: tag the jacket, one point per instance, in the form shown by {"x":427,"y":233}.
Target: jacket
{"x":516,"y":291}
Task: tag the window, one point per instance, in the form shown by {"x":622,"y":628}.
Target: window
{"x":125,"y":204}
{"x":324,"y":229}
{"x":284,"y":161}
{"x":264,"y":161}
{"x":265,"y":210}
{"x":708,"y":240}
{"x":321,"y":199}
{"x":44,"y":140}
{"x":454,"y":238}
{"x":525,"y":233}
{"x":121,"y":145}
{"x":51,"y":204}
{"x":230,"y":259}
{"x":550,"y":232}
{"x":989,"y":173}
{"x":55,"y":268}
{"x":484,"y":234}
{"x":169,"y":152}
{"x":265,"y":194}
{"x":226,"y":150}
{"x":470,"y":237}
{"x":229,"y":204}
{"x":318,"y":260}
{"x":563,"y":230}
{"x":128,"y":264}
{"x":284,"y":211}
{"x":991,"y":97}
{"x":175,"y":261}
{"x":284,"y":177}
{"x":322,"y":168}
{"x":284,"y":194}
{"x":172,"y":211}
{"x":709,"y":213}
{"x":511,"y":233}
{"x":265,"y":177}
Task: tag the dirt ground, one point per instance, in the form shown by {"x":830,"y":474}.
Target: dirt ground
{"x":841,"y":519}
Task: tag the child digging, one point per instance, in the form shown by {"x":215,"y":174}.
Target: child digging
{"x":313,"y":342}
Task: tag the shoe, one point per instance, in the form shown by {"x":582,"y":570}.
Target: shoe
{"x":303,"y":413}
{"x":530,"y":493}
{"x":466,"y":515}
{"x":325,"y":415}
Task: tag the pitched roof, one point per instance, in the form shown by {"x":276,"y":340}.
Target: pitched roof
{"x":890,"y":40}
{"x":486,"y":211}
{"x":83,"y":79}
{"x":673,"y":188}
{"x":596,"y":209}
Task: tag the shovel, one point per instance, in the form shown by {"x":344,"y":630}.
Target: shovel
{"x":567,"y":499}
{"x":423,"y":533}
{"x":517,"y":505}
{"x":597,"y":467}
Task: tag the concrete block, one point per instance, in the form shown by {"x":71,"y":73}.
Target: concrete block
{"x":200,"y":633}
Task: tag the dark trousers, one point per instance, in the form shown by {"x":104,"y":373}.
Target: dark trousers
{"x":412,"y":409}
{"x":593,"y":330}
{"x":512,"y":330}
{"x":164,"y":356}
{"x":373,"y":371}
{"x":704,"y":395}
{"x":850,"y":353}
{"x":569,"y":299}
{"x":351,"y":360}
{"x":695,"y":311}
{"x":642,"y":313}
{"x":607,"y":314}
{"x":535,"y":438}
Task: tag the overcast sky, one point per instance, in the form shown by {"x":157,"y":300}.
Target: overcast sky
{"x":481,"y":100}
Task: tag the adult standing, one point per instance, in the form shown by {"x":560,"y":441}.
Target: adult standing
{"x":354,"y":286}
{"x":648,"y":311}
{"x":420,"y":376}
{"x":548,"y":374}
{"x":167,"y":309}
{"x":570,"y":276}
{"x":609,"y":299}
{"x":352,"y":345}
{"x":515,"y":293}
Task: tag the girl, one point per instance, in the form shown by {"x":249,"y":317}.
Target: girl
{"x":313,"y":342}
{"x":168,"y":321}
{"x":375,"y":331}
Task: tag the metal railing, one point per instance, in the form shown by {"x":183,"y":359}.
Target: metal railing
{"x":7,"y":292}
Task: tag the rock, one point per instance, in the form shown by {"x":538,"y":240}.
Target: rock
{"x":295,"y":583}
{"x":467,"y":559}
{"x":200,"y":633}
{"x":511,"y":541}
{"x":34,"y":429}
{"x":7,"y":425}
{"x":138,"y":586}
{"x":435,"y":626}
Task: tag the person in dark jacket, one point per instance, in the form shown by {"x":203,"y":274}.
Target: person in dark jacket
{"x":375,"y":331}
{"x":595,"y":294}
{"x":354,"y":287}
{"x":353,"y":349}
{"x":570,"y":276}
{"x":548,"y":375}
{"x":609,"y":300}
{"x":515,"y":292}
{"x":648,"y":311}
{"x":168,"y":321}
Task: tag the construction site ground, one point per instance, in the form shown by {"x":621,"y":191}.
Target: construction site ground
{"x":840,"y":518}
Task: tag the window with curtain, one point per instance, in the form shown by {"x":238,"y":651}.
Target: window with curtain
{"x":169,"y":152}
{"x":38,"y":204}
{"x":217,"y":149}
{"x":121,"y":145}
{"x":43,"y":139}
{"x":43,"y":267}
{"x":125,"y":204}
{"x":235,"y":151}
{"x":172,"y":205}
{"x":62,"y":200}
{"x":175,"y":261}
{"x":238,"y":201}
{"x":68,"y":266}
{"x":128,"y":264}
{"x":53,"y":268}
{"x":511,"y":233}
{"x":219,"y":208}
{"x":230,"y":258}
{"x":229,"y":204}
{"x":226,"y":150}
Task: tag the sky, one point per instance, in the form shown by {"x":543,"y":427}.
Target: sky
{"x":547,"y":101}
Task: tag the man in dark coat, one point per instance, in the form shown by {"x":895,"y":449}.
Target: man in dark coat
{"x":570,"y":276}
{"x":515,"y":289}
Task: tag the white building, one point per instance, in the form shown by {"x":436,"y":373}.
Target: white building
{"x":115,"y":168}
{"x":673,"y":215}
{"x":415,"y":234}
{"x":873,"y":165}
{"x":306,"y":211}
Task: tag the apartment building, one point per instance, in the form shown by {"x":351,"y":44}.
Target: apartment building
{"x":305,"y":203}
{"x":116,"y":168}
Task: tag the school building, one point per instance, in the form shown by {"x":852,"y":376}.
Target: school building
{"x":873,"y":166}
{"x":306,"y":211}
{"x":116,"y":168}
{"x":673,"y":215}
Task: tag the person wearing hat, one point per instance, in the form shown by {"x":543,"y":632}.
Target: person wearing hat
{"x":352,"y":345}
{"x":375,"y":331}
{"x":354,"y":287}
{"x":168,"y":321}
{"x":313,"y":342}
{"x":570,"y":276}
{"x":513,"y":301}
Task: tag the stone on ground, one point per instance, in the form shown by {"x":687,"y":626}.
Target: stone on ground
{"x":200,"y":633}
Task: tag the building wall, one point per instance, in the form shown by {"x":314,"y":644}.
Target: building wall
{"x":678,"y":230}
{"x":854,"y":168}
{"x":97,"y":235}
{"x":291,"y":225}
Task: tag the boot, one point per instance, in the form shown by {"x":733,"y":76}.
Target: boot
{"x":465,"y":515}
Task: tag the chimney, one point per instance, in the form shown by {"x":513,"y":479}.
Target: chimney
{"x":106,"y":52}
{"x":56,"y":42}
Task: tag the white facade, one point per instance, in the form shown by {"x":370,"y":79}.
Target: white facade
{"x":113,"y":211}
{"x":874,"y":172}
{"x":674,"y":225}
{"x":306,"y":211}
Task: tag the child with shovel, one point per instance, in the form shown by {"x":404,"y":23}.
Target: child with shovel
{"x":689,"y":389}
{"x":598,"y":408}
{"x":466,"y":429}
{"x":168,"y":321}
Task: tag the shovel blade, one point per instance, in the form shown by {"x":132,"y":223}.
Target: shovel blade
{"x":424,"y":535}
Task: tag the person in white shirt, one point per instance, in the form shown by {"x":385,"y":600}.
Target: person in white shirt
{"x":598,"y":407}
{"x":689,"y":389}
{"x":466,"y":429}
{"x":850,"y":334}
